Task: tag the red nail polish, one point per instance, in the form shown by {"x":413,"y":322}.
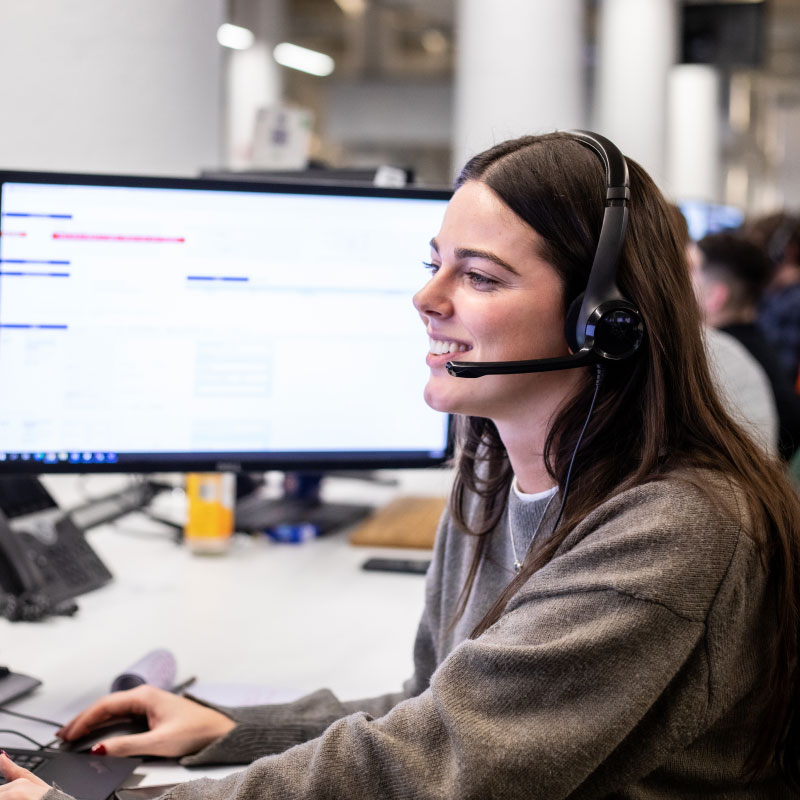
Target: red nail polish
{"x":6,"y":754}
{"x":98,"y":750}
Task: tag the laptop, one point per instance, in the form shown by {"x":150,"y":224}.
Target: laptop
{"x":82,"y":775}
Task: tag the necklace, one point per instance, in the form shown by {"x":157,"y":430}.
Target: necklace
{"x":517,"y":562}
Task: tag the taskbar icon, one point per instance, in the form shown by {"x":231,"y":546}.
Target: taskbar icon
{"x":61,"y":457}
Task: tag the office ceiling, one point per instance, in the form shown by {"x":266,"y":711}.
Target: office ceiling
{"x":377,"y":38}
{"x":413,"y":41}
{"x":784,"y":38}
{"x":415,"y":37}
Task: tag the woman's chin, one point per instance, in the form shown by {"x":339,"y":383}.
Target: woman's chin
{"x":436,"y":400}
{"x":445,"y":400}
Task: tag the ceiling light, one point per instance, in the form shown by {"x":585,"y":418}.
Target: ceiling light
{"x":296,"y":57}
{"x":234,"y":36}
{"x":353,"y":8}
{"x":434,"y":42}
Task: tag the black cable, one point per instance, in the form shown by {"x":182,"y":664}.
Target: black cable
{"x":599,"y":375}
{"x":19,"y":714}
{"x":25,"y":736}
{"x":168,"y":522}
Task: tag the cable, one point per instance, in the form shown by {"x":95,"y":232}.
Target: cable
{"x":4,"y":710}
{"x":89,"y":497}
{"x":161,"y":520}
{"x":136,"y":533}
{"x":25,"y":736}
{"x":599,"y":375}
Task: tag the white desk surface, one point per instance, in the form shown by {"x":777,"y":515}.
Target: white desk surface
{"x":291,"y":617}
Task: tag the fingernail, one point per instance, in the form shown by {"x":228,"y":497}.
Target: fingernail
{"x":98,"y":750}
{"x":3,"y":752}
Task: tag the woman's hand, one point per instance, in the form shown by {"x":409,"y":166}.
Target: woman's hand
{"x":178,"y":726}
{"x":22,"y":785}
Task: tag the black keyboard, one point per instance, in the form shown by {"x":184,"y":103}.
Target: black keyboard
{"x":77,"y":774}
{"x":31,"y":760}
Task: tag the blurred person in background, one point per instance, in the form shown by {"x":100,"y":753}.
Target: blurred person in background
{"x":740,"y":379}
{"x":779,"y":312}
{"x":730,"y":275}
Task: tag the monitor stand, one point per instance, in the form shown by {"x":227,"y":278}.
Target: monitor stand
{"x":299,"y":513}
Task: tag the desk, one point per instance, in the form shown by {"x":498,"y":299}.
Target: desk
{"x":294,"y":617}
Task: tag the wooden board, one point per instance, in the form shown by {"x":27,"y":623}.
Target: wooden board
{"x":405,"y":522}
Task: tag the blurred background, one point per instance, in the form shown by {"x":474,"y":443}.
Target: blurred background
{"x":704,"y":94}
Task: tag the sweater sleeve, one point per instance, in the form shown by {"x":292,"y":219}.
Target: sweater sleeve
{"x":56,"y":794}
{"x":530,"y":709}
{"x":264,"y":730}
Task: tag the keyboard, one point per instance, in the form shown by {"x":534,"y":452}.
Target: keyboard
{"x":27,"y":759}
{"x":81,"y":775}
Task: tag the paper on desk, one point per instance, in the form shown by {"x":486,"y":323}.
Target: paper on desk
{"x":242,"y":694}
{"x":162,"y":772}
{"x":158,"y":668}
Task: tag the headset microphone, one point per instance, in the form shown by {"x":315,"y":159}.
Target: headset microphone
{"x":601,"y":325}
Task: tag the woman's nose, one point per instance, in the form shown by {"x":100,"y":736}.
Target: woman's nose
{"x":432,"y":299}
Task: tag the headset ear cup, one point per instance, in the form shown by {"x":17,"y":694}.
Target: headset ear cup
{"x":571,"y":323}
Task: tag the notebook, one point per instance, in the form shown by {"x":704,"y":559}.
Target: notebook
{"x":82,"y":775}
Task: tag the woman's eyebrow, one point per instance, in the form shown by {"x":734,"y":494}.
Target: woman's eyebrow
{"x":469,"y":252}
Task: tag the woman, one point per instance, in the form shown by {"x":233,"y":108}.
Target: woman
{"x":612,"y":605}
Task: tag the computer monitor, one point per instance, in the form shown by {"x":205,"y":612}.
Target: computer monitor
{"x":165,"y":324}
{"x":704,"y":218}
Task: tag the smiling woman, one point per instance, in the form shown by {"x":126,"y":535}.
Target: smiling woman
{"x":612,"y":606}
{"x":493,"y":293}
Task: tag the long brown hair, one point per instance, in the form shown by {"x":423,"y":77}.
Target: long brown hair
{"x":659,"y":414}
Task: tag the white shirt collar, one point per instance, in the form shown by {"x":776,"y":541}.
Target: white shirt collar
{"x":532,"y":498}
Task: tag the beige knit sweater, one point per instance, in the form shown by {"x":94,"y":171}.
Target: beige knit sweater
{"x":625,"y":668}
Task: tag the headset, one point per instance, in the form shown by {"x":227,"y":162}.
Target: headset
{"x":601,"y":326}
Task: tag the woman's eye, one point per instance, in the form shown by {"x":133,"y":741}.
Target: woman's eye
{"x":432,"y":268}
{"x":481,"y":281}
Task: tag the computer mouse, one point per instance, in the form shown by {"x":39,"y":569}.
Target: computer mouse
{"x":118,"y":727}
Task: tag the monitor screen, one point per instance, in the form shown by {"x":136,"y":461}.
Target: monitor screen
{"x":704,"y":218}
{"x":160,"y":324}
{"x":726,"y":34}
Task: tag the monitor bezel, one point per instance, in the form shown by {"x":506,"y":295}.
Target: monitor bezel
{"x":238,"y":462}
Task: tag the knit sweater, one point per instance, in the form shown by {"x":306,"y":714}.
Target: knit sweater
{"x":626,"y":667}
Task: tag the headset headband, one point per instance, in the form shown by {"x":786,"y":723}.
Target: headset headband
{"x":601,"y":325}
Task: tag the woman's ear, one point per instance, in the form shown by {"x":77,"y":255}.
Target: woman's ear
{"x":719,"y":296}
{"x":571,"y":324}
